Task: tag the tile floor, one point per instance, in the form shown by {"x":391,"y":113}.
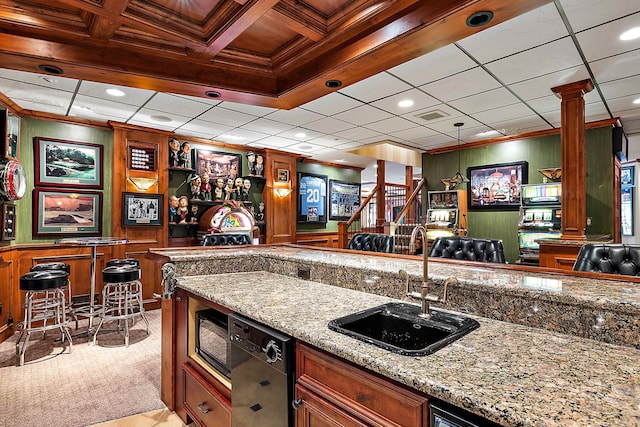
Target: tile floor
{"x":159,"y":418}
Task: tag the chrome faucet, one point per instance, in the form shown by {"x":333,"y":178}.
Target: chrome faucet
{"x":424,"y":295}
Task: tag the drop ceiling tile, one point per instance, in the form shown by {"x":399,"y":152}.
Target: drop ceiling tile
{"x":616,"y":67}
{"x":545,"y":104}
{"x":436,"y":65}
{"x":363,"y":115}
{"x":172,"y":104}
{"x":295,"y":133}
{"x":52,"y":82}
{"x":420,"y":100}
{"x":209,"y":101}
{"x":447,"y":126}
{"x":331,"y":104}
{"x":149,"y":124}
{"x":90,"y":105}
{"x":266,"y":126}
{"x":538,"y":87}
{"x":28,"y":104}
{"x":521,"y":125}
{"x":185,"y":132}
{"x":132,"y":96}
{"x":226,"y":117}
{"x":625,"y":106}
{"x":328,"y":125}
{"x":603,"y":41}
{"x":375,"y":87}
{"x":444,"y":110}
{"x":460,"y":85}
{"x":152,"y":118}
{"x":254,"y":110}
{"x":526,"y":31}
{"x":622,"y":87}
{"x":496,"y":115}
{"x":545,"y":59}
{"x":273,"y":142}
{"x":584,"y":14}
{"x":412,"y":133}
{"x":356,"y":134}
{"x":305,"y":148}
{"x":204,"y":127}
{"x":392,"y":124}
{"x":242,"y":135}
{"x":485,"y":101}
{"x":20,"y":93}
{"x":295,"y":117}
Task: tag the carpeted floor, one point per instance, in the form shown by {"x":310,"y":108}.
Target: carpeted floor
{"x":93,"y":384}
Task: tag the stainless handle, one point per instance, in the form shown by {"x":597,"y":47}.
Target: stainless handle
{"x":297,"y":403}
{"x":202,"y":408}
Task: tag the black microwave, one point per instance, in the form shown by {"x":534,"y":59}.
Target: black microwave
{"x":212,"y":340}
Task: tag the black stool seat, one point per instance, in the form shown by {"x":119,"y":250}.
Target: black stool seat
{"x":42,"y":280}
{"x":125,"y":261}
{"x":51,"y":266}
{"x":119,"y":274}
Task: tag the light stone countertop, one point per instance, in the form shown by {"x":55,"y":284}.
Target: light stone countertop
{"x":511,"y":374}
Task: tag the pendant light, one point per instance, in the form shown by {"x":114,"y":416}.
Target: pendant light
{"x":457,"y":179}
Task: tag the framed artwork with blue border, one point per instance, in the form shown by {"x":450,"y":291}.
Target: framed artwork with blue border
{"x":312,"y":198}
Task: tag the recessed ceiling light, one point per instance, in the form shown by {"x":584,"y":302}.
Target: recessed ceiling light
{"x":160,"y":119}
{"x":305,"y":147}
{"x":479,"y":19}
{"x":636,"y":101}
{"x":405,"y":103}
{"x":234,"y":137}
{"x":333,"y":83}
{"x":51,"y":69}
{"x":631,"y":34}
{"x":115,"y":92}
{"x":300,"y":135}
{"x":213,"y":94}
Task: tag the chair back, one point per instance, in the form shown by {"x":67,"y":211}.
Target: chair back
{"x":615,"y":258}
{"x":467,"y":248}
{"x":371,"y":242}
{"x":224,"y":239}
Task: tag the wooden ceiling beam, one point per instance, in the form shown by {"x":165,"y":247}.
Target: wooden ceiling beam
{"x":101,"y":27}
{"x":302,"y":20}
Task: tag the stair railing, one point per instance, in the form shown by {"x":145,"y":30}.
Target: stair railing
{"x":346,"y":229}
{"x":407,"y":219}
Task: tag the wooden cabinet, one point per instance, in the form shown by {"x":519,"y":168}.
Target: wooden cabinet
{"x":204,"y":404}
{"x":334,"y":392}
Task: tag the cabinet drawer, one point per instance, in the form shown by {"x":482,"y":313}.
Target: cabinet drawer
{"x":373,"y":399}
{"x":317,"y":412}
{"x":205,"y":406}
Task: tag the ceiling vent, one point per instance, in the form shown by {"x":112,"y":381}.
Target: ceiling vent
{"x":432,"y":115}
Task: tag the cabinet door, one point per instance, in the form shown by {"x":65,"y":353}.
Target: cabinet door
{"x":316,"y":412}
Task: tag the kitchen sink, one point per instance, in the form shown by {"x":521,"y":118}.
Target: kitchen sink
{"x":398,"y":327}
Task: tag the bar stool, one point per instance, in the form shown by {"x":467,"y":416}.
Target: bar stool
{"x":121,"y":296}
{"x":48,"y":266}
{"x":44,"y":302}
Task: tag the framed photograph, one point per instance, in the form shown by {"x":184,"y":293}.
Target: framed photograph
{"x":142,"y":209}
{"x":283,"y":175}
{"x":66,"y":213}
{"x":496,"y":186}
{"x":61,"y":163}
{"x":8,"y":221}
{"x":312,"y":198}
{"x":626,"y":211}
{"x":142,"y":158}
{"x":10,"y":133}
{"x":217,"y":165}
{"x":344,"y":199}
{"x":627,"y":174}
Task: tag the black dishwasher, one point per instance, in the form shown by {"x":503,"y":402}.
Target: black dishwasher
{"x":263,"y":374}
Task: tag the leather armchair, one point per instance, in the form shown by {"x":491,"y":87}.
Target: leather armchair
{"x":467,"y":248}
{"x":371,"y":242}
{"x":609,"y":258}
{"x":223,"y":239}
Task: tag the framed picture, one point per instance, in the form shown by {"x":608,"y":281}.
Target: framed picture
{"x":626,"y":175}
{"x":496,"y":186}
{"x":626,"y":211}
{"x":283,"y":175}
{"x":344,"y":199}
{"x":61,"y":163}
{"x":67,"y":213}
{"x":312,"y":198}
{"x":217,"y":165}
{"x":142,"y":209}
{"x":8,"y":222}
{"x":11,"y":134}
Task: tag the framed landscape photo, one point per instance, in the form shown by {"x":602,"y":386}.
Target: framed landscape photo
{"x":11,"y":134}
{"x":496,"y":186}
{"x":312,"y":198}
{"x":344,"y":199}
{"x":142,"y":209}
{"x":61,"y":163}
{"x":66,"y":213}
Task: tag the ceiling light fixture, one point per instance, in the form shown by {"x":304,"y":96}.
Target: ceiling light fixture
{"x":213,"y":94}
{"x":115,"y":92}
{"x":636,"y":101}
{"x":333,"y":83}
{"x":51,"y":69}
{"x":300,"y":135}
{"x":631,"y":34}
{"x":480,"y":19}
{"x":457,"y":179}
{"x":406,"y":103}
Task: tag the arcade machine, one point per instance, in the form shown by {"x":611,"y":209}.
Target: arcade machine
{"x":540,"y":218}
{"x":446,"y":213}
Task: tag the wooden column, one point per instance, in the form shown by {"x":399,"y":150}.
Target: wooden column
{"x":573,"y":141}
{"x":380,"y":196}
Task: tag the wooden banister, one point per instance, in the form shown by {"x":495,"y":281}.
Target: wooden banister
{"x":343,"y":226}
{"x":410,"y":200}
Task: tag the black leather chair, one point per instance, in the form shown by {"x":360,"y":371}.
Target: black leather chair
{"x":467,"y":248}
{"x":615,"y":258}
{"x":224,"y":239}
{"x":371,"y":242}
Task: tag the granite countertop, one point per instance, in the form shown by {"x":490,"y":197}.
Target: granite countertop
{"x":511,"y":374}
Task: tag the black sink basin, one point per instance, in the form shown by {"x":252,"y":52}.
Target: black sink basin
{"x":398,"y":328}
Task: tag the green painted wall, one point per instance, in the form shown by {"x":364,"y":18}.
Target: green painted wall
{"x":539,"y":153}
{"x":341,"y":174}
{"x":30,"y":128}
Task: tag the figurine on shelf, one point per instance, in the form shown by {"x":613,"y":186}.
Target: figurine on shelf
{"x":218,"y":192}
{"x":244,"y":193}
{"x":183,"y":209}
{"x":233,"y":171}
{"x":205,"y":187}
{"x":174,"y":153}
{"x":193,"y":216}
{"x":259,"y":168}
{"x":237,"y":190}
{"x":228,"y":190}
{"x":196,"y":186}
{"x":251,"y":162}
{"x":185,"y":155}
{"x":173,"y":208}
{"x":259,"y":215}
